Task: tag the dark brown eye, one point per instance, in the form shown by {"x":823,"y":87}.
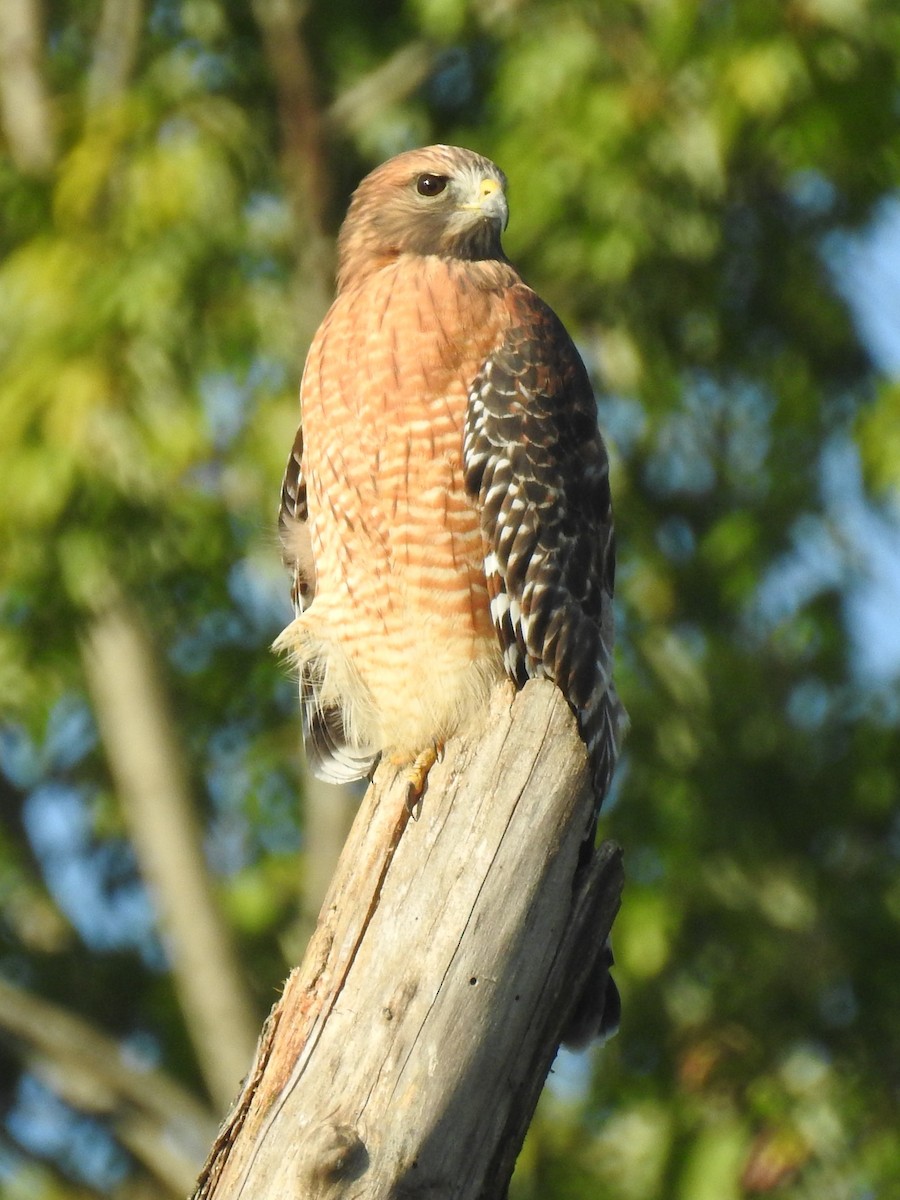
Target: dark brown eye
{"x":431,"y":185}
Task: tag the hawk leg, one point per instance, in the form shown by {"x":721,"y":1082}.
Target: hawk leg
{"x":416,"y":773}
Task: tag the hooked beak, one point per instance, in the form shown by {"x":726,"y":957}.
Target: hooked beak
{"x":489,"y":201}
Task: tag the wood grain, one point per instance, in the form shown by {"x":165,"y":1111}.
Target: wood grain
{"x":407,"y":1053}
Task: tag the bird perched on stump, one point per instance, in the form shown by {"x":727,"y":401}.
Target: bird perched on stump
{"x":446,"y":507}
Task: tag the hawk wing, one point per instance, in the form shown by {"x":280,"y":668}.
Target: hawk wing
{"x":537,"y":467}
{"x":293,"y":515}
{"x":328,"y":752}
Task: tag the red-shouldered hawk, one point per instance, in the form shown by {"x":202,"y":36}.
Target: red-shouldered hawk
{"x":446,"y":507}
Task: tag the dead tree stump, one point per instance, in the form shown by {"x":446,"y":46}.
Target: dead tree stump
{"x":407,"y":1053}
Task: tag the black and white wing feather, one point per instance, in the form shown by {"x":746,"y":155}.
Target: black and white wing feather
{"x":537,"y":467}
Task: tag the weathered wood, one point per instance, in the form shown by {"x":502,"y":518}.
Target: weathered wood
{"x":407,"y":1053}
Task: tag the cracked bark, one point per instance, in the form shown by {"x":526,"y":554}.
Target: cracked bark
{"x":407,"y":1053}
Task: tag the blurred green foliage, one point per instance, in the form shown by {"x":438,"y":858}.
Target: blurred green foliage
{"x":677,"y":170}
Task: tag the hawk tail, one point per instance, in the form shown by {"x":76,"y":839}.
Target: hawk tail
{"x":330,"y":753}
{"x":602,"y":726}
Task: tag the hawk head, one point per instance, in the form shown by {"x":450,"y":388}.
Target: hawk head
{"x":439,"y":200}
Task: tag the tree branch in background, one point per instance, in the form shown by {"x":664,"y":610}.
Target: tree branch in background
{"x":146,"y":764}
{"x":154,"y":1118}
{"x":303,"y":153}
{"x":115,"y":50}
{"x":25,"y":111}
{"x":407,"y":69}
{"x":407,"y":1053}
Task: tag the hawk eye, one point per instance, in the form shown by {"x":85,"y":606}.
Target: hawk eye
{"x":431,"y":185}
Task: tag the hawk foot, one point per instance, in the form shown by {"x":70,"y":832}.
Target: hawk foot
{"x":416,"y":773}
